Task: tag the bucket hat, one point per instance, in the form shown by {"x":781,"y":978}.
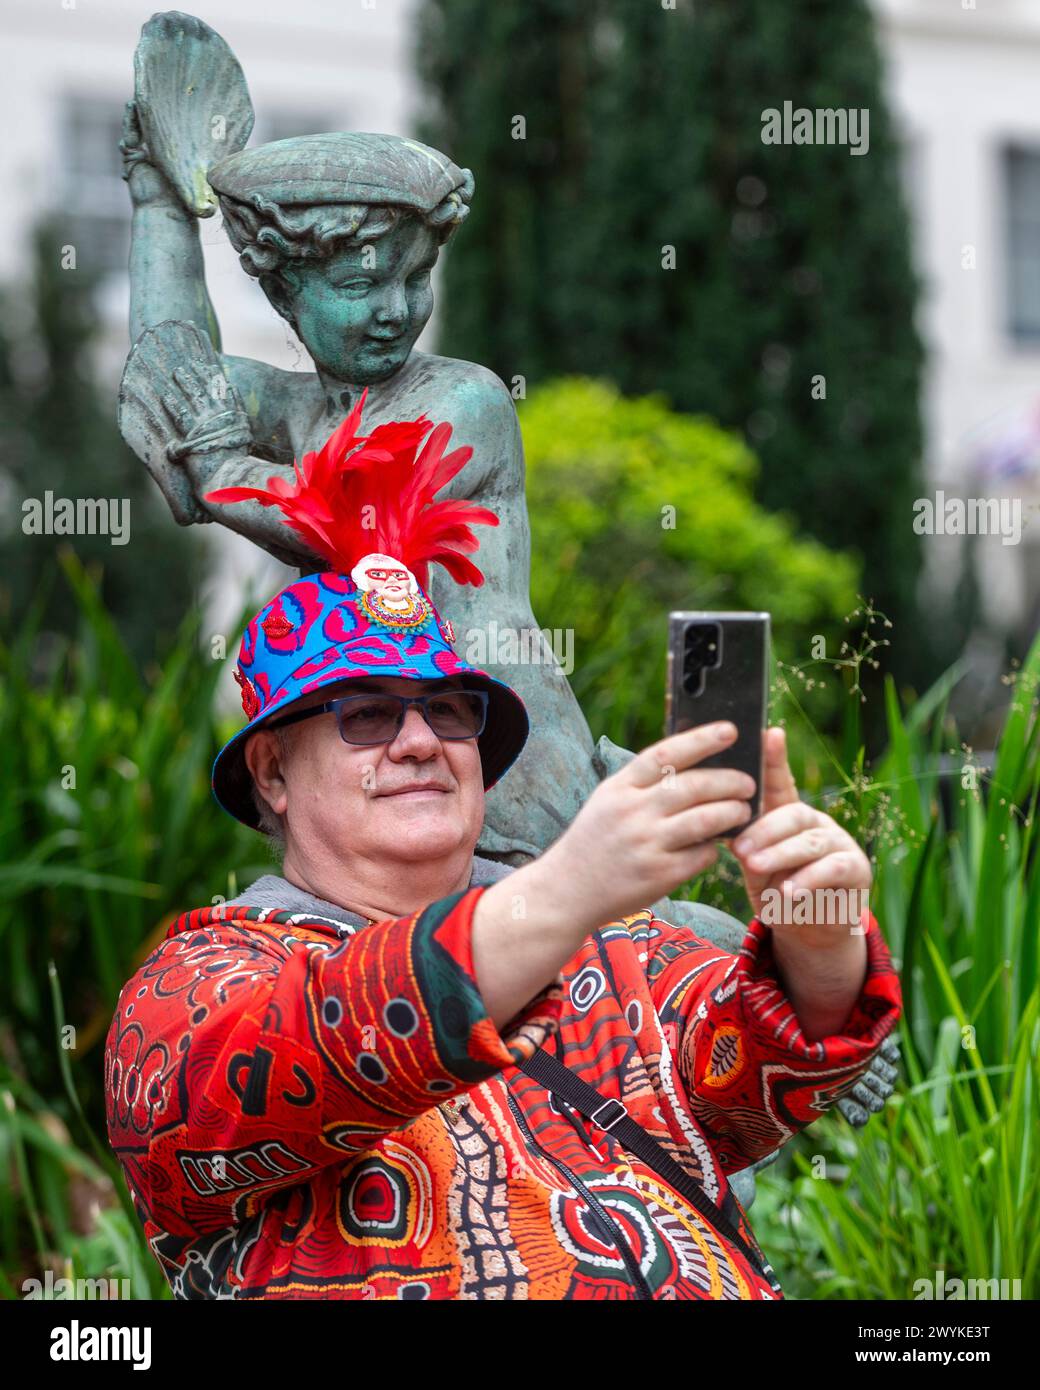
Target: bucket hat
{"x":364,"y":503}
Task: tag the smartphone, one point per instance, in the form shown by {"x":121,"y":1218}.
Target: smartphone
{"x":718,"y":668}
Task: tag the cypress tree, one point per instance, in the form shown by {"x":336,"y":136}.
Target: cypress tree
{"x":59,"y":434}
{"x":630,"y":223}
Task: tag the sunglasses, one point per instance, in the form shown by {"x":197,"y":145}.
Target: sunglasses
{"x":371,"y":719}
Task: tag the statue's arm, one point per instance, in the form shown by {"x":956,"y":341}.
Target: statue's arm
{"x":168,"y":281}
{"x":167,"y":273}
{"x":168,"y":287}
{"x":264,"y":526}
{"x":484,"y":418}
{"x":213,"y":459}
{"x":185,"y":419}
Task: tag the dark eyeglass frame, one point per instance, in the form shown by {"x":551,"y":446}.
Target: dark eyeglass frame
{"x":404,"y":702}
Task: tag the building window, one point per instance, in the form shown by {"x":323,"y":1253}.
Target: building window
{"x":95,"y":200}
{"x":95,"y":203}
{"x":1022,"y":211}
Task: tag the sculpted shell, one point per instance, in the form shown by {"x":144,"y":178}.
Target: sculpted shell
{"x":192,"y":103}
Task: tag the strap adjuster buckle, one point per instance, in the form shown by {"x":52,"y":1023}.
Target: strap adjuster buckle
{"x":613,"y":1119}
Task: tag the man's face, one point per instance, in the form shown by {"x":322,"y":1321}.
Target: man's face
{"x":416,"y":798}
{"x":359,"y":311}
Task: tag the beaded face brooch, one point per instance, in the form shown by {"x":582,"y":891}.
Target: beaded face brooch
{"x":415,"y":614}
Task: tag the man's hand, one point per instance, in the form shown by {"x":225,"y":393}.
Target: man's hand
{"x":818,"y":934}
{"x":641,"y":833}
{"x":650,"y":826}
{"x":792,"y":843}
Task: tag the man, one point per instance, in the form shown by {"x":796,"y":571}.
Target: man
{"x":318,"y":1090}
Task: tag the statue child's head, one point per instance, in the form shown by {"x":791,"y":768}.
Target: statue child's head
{"x":342,"y":232}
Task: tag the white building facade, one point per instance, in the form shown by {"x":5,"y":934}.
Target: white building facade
{"x":964,"y":87}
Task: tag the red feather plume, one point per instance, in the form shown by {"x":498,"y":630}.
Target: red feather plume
{"x":363,"y":493}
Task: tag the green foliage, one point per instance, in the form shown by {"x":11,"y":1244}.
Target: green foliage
{"x":642,"y":137}
{"x":59,"y":433}
{"x":74,"y":1204}
{"x":948,"y":1177}
{"x":635,"y":510}
{"x":108,"y":830}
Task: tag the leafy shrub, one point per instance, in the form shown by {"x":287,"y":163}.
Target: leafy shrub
{"x":636,"y":510}
{"x":947,"y":1178}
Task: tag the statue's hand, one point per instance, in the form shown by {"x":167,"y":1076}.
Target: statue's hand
{"x":191,"y":106}
{"x":874,"y":1087}
{"x":180,"y":414}
{"x":211,"y":427}
{"x":147,"y":184}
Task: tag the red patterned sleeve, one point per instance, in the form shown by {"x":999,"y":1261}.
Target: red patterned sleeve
{"x":752,"y":1078}
{"x":236,"y":1066}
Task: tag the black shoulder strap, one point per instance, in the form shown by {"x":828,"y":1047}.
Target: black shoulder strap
{"x":611,"y":1115}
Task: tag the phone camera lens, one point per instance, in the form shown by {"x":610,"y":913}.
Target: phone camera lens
{"x":701,"y":652}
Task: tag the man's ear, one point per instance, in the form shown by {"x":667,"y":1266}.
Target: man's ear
{"x":264,"y":756}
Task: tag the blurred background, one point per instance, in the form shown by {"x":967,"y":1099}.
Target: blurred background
{"x":909,"y":278}
{"x":791,"y":344}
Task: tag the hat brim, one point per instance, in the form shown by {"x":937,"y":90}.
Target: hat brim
{"x":503,"y":739}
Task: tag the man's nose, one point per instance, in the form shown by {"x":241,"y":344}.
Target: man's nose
{"x":415,"y":738}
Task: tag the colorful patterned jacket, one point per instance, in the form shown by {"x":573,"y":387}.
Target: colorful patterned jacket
{"x":309,"y":1111}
